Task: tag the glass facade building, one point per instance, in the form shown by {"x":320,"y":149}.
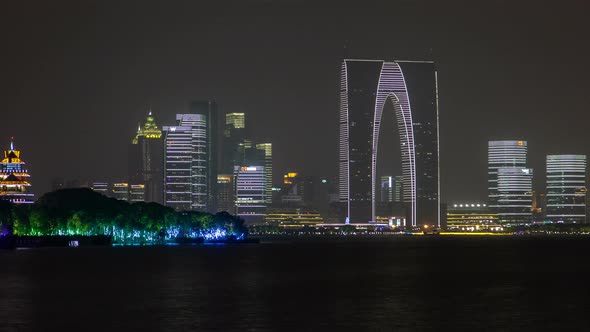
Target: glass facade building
{"x":225,"y":193}
{"x":233,"y":136}
{"x":178,"y":158}
{"x":514,"y":194}
{"x":366,"y":85}
{"x":208,"y":111}
{"x":267,"y":148}
{"x":187,"y":163}
{"x":566,"y":188}
{"x":235,"y":121}
{"x":250,"y":191}
{"x":504,"y":154}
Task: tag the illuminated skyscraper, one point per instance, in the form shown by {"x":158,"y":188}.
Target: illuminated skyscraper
{"x":178,"y":156}
{"x":514,"y":194}
{"x":208,"y":109}
{"x":188,"y":164}
{"x":366,"y":85}
{"x":250,"y":190}
{"x":233,"y":137}
{"x":267,"y":148}
{"x":15,"y":185}
{"x":509,"y":154}
{"x":146,"y":160}
{"x":235,"y":121}
{"x":566,"y":188}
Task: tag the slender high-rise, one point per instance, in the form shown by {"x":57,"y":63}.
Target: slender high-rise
{"x":178,"y":160}
{"x":146,"y":161}
{"x":208,"y":109}
{"x":188,"y":163}
{"x":566,"y":188}
{"x":15,"y":185}
{"x":267,"y":148}
{"x":411,"y":86}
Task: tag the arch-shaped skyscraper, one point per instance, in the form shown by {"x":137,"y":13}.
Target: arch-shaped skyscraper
{"x":365,"y":87}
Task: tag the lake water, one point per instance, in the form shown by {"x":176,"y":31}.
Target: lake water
{"x":398,"y":283}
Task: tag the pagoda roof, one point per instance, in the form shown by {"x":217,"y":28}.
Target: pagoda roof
{"x":13,"y":179}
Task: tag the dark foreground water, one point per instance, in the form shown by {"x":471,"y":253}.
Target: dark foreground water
{"x":399,"y":283}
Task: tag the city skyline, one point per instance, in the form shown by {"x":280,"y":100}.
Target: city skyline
{"x":76,"y":97}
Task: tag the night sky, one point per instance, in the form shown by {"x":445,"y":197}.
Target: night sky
{"x":76,"y":77}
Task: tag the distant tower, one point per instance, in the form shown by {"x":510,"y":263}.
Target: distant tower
{"x":14,"y":178}
{"x":515,"y":193}
{"x":267,"y":148}
{"x":513,"y":201}
{"x":249,"y":184}
{"x":146,"y":162}
{"x":225,"y":193}
{"x":208,"y":109}
{"x":233,"y":136}
{"x":566,"y":188}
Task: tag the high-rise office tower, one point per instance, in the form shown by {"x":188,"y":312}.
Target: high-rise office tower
{"x":366,"y":85}
{"x":208,"y":109}
{"x":514,"y":194}
{"x":188,"y":164}
{"x":234,"y":121}
{"x":146,"y":161}
{"x":267,"y":148}
{"x":178,"y":170}
{"x":233,"y":135}
{"x":15,"y":185}
{"x":507,"y":153}
{"x":566,"y":188}
{"x":225,"y":193}
{"x":250,"y":191}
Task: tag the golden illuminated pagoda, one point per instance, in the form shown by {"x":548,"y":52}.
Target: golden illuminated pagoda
{"x":14,"y":178}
